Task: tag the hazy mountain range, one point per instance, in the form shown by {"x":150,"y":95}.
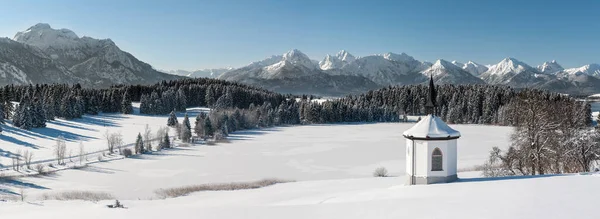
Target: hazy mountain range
{"x":295,"y":68}
{"x":42,"y":54}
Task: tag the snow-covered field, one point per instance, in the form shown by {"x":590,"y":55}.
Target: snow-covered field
{"x":294,"y":153}
{"x":571,"y":196}
{"x":331,"y":164}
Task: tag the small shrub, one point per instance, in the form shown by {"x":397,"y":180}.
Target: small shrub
{"x":39,"y":168}
{"x":127,"y":152}
{"x":185,"y":190}
{"x":380,"y":172}
{"x":77,"y":195}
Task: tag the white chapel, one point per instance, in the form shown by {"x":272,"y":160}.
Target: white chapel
{"x":431,"y":147}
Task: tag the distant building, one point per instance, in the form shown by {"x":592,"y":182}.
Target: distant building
{"x":431,"y":154}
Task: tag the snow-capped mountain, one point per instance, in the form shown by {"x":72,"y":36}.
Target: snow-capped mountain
{"x":291,"y":64}
{"x":384,"y":69}
{"x":445,"y":72}
{"x":576,"y":84}
{"x":100,"y":62}
{"x":551,"y":67}
{"x":202,"y":73}
{"x":294,"y":72}
{"x":474,"y":68}
{"x":511,"y":71}
{"x":24,"y":64}
{"x":457,"y":63}
{"x":591,"y":69}
{"x":341,"y":59}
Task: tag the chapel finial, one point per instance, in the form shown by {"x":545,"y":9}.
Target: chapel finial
{"x":430,"y":106}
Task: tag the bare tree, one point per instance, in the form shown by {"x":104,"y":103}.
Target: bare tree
{"x":147,"y":138}
{"x":60,"y":149}
{"x":159,"y":134}
{"x":81,"y":152}
{"x":109,"y":143}
{"x":17,"y":165}
{"x":118,"y":141}
{"x":28,"y":156}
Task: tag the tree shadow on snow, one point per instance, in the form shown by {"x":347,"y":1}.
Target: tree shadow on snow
{"x":22,"y":132}
{"x":69,"y":125}
{"x":14,"y":141}
{"x":99,"y":120}
{"x":53,"y":133}
{"x":20,"y":184}
{"x":488,"y":179}
{"x":98,"y":170}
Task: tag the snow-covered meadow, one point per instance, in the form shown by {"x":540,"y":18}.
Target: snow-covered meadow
{"x":332,"y":166}
{"x":298,"y":153}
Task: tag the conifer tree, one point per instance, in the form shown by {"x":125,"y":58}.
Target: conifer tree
{"x":126,"y":107}
{"x":166,"y":142}
{"x":199,"y":125}
{"x":139,"y":144}
{"x":186,"y":133}
{"x":208,"y":128}
{"x":186,"y":121}
{"x":172,"y":122}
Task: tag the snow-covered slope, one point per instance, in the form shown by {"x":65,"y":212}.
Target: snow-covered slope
{"x":444,"y":72}
{"x":591,"y":69}
{"x":551,"y":67}
{"x":511,"y":71}
{"x":100,"y":62}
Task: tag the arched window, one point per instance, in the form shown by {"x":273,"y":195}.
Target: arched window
{"x":436,"y":160}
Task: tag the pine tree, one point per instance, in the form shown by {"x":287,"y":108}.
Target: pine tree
{"x":172,"y":122}
{"x":126,"y":107}
{"x":166,"y":142}
{"x":208,"y":128}
{"x":186,"y":133}
{"x":210,"y":96}
{"x":139,"y":144}
{"x":181,"y":100}
{"x":199,"y":125}
{"x":186,"y":121}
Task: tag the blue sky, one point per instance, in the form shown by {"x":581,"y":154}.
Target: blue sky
{"x":208,"y":34}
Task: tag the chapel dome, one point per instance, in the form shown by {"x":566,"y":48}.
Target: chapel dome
{"x":431,"y":127}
